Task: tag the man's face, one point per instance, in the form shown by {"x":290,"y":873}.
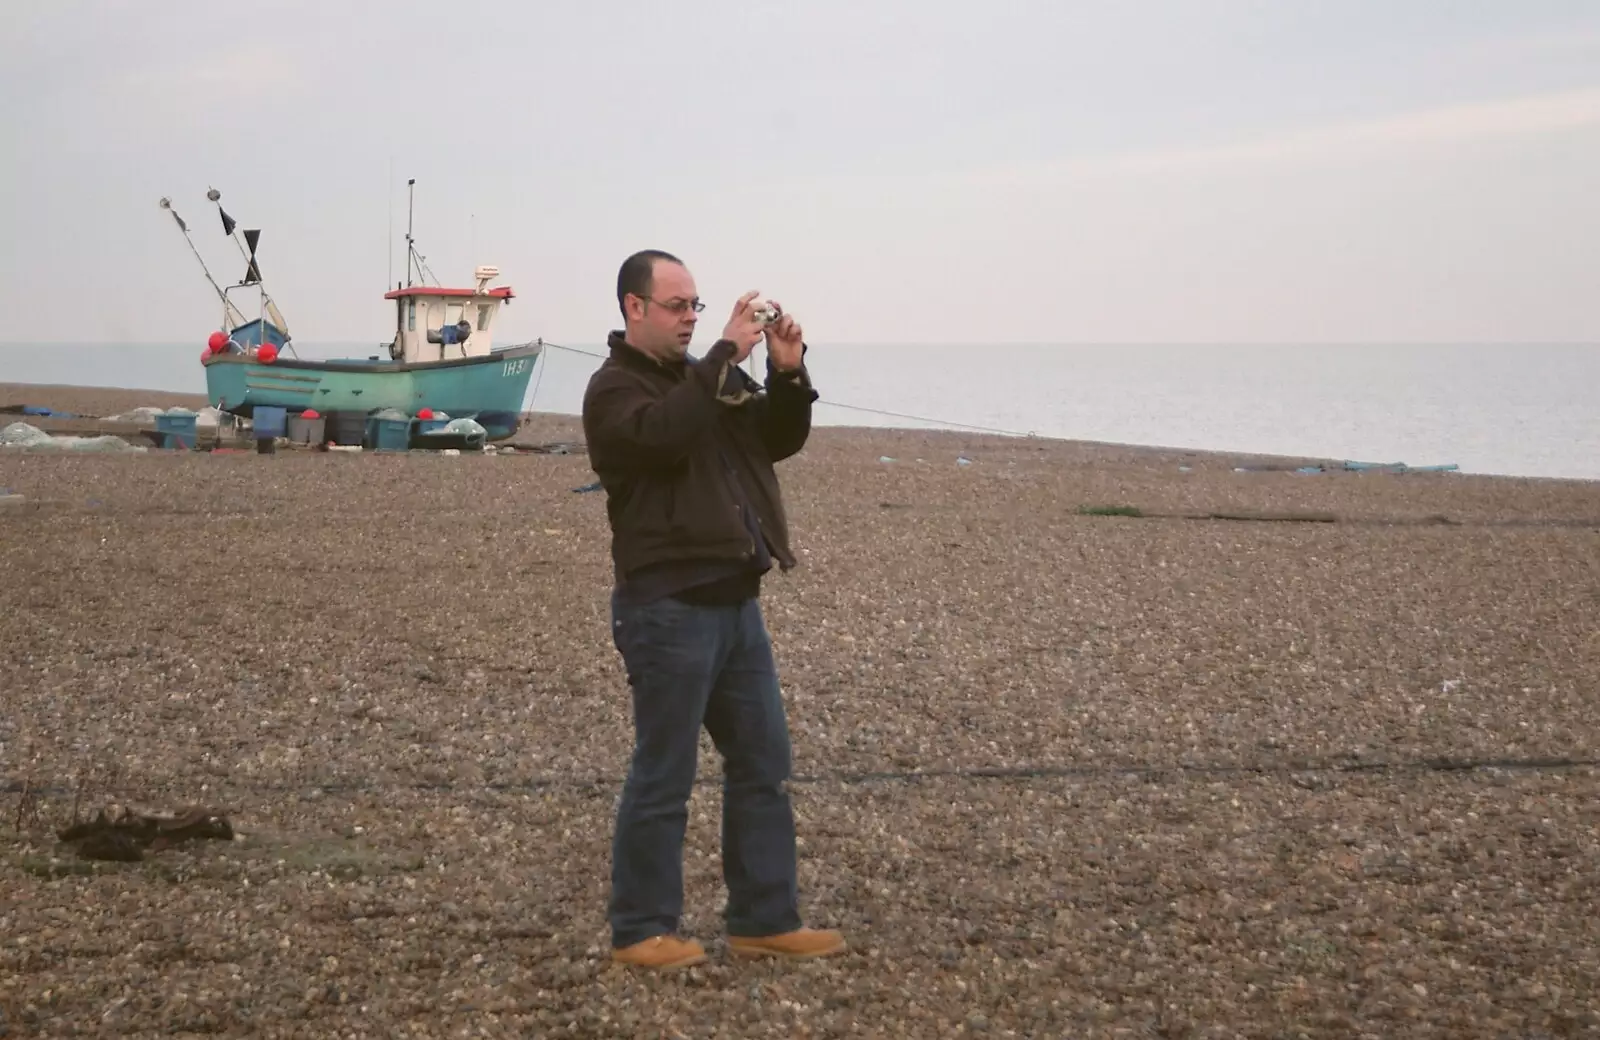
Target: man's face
{"x":663,"y":324}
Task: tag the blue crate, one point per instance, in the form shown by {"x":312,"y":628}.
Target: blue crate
{"x":270,"y":421}
{"x":177,"y":431}
{"x":389,"y":434}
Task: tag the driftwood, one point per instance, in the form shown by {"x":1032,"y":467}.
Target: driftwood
{"x":1268,"y":517}
{"x":128,"y":836}
{"x":547,"y":447}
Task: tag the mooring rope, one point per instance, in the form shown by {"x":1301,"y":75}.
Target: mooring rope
{"x":840,"y":404}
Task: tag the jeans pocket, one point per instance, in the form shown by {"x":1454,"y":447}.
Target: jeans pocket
{"x":662,"y":627}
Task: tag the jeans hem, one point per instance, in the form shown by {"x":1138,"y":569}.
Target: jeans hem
{"x":755,"y":931}
{"x":621,"y":940}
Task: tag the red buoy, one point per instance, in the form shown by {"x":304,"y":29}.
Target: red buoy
{"x":426,"y":413}
{"x":217,"y":341}
{"x":310,"y":413}
{"x":267,"y":354}
{"x":205,"y":355}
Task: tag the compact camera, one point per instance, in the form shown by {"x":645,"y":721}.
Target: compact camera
{"x":767,"y":313}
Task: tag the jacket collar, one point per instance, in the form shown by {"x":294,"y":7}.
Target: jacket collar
{"x":627,"y":353}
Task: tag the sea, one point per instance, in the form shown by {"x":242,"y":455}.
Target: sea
{"x":1525,"y":410}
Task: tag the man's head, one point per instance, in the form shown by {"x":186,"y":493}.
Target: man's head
{"x":659,"y":303}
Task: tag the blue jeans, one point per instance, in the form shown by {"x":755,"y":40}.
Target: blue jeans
{"x":690,"y":666}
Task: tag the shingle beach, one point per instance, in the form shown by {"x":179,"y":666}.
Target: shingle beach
{"x":1287,"y":755}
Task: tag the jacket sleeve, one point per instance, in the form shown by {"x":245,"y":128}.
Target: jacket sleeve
{"x":628,"y":429}
{"x":785,"y":419}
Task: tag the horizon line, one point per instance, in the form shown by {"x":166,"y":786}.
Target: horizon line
{"x":951,"y":343}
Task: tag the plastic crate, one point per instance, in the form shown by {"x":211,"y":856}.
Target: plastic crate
{"x":269,"y":421}
{"x":177,"y":431}
{"x":389,"y":434}
{"x":346,"y":428}
{"x":307,"y":431}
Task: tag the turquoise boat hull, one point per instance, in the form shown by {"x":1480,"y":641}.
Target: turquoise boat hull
{"x":489,"y":388}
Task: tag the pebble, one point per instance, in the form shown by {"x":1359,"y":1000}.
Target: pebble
{"x":1056,"y":773}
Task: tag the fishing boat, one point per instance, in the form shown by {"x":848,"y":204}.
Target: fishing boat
{"x":440,"y":359}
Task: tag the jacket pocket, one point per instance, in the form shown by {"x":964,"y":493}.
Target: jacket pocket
{"x":653,"y":509}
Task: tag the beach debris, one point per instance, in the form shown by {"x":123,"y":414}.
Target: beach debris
{"x":138,"y":415}
{"x":464,"y":428}
{"x":1395,"y":467}
{"x":885,"y":458}
{"x":1349,"y":466}
{"x":129,"y":835}
{"x":23,"y":435}
{"x":27,"y":436}
{"x":146,"y":414}
{"x":596,"y":486}
{"x":550,"y":448}
{"x":962,"y":460}
{"x":39,"y":410}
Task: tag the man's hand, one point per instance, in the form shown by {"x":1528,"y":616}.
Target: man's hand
{"x":744,"y":328}
{"x":785,"y":341}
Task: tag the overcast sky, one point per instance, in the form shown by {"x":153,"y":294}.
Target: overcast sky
{"x":1048,"y":171}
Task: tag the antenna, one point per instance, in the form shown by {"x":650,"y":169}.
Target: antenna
{"x":412,"y":256}
{"x":388,"y":189}
{"x":411,"y":195}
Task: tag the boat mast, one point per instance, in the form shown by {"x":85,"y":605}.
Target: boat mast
{"x":231,"y":315}
{"x":252,"y":275}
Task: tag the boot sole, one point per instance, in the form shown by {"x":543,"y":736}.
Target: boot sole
{"x":754,"y":952}
{"x":687,"y":962}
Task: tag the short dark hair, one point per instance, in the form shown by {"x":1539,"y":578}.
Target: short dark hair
{"x":637,"y":275}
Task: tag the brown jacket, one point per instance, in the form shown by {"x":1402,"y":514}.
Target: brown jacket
{"x":657,"y":434}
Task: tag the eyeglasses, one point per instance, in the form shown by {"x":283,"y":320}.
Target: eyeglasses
{"x":675,"y":305}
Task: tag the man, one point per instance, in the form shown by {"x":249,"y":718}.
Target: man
{"x":685,"y":449}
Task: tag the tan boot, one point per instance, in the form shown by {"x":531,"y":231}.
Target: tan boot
{"x":661,"y":952}
{"x":796,"y":945}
